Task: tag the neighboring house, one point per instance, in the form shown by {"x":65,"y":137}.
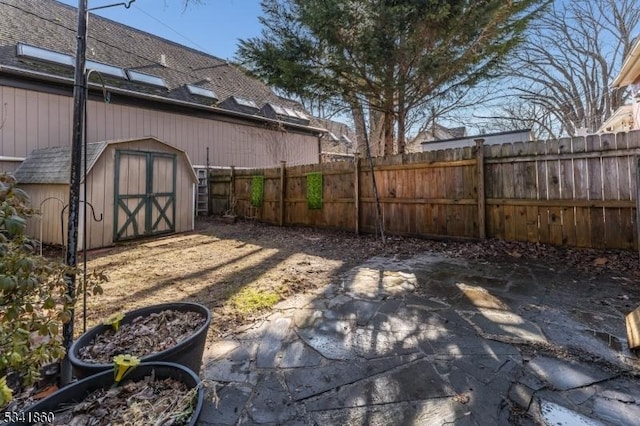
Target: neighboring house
{"x":627,"y":117}
{"x":620,"y":121}
{"x":523,"y":135}
{"x":434,"y":132}
{"x":198,"y":103}
{"x":339,"y":143}
{"x":438,"y":132}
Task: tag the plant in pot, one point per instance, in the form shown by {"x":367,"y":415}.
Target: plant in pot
{"x":171,"y":332}
{"x":133,"y":393}
{"x":34,"y":303}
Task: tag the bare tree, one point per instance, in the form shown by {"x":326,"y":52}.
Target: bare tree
{"x":569,"y":60}
{"x":518,"y":115}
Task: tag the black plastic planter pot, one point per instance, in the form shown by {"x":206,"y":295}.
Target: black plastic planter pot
{"x":77,"y":391}
{"x":187,"y":352}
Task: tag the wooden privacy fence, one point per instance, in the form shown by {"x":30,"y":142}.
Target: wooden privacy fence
{"x":578,"y":192}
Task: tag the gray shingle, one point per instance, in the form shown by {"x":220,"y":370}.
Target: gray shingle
{"x":52,"y":25}
{"x":53,"y":165}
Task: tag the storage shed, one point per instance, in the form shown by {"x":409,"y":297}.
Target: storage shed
{"x":136,"y":188}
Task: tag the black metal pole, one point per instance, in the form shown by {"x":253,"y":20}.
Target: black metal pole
{"x":84,"y":205}
{"x":79,"y":101}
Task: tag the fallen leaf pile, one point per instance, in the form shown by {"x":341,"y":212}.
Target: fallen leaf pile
{"x":353,"y":249}
{"x":143,"y":336}
{"x":143,"y":402}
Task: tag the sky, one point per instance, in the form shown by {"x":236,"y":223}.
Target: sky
{"x":211,"y":26}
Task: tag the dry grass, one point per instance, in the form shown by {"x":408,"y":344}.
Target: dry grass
{"x":240,"y":270}
{"x":235,"y":277}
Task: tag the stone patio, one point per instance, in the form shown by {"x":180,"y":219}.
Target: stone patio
{"x":431,"y":341}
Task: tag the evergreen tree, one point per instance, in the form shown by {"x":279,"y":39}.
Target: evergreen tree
{"x":384,"y":58}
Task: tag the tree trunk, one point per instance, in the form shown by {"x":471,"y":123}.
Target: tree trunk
{"x":402,"y":122}
{"x":360,"y":123}
{"x":388,"y":110}
{"x":359,"y":145}
{"x":376,"y":132}
{"x":388,"y":133}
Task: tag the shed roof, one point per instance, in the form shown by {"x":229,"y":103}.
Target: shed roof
{"x":53,"y":165}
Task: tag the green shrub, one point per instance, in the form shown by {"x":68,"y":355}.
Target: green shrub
{"x":34,"y":303}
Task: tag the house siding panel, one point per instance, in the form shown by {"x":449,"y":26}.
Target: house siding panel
{"x":53,"y":118}
{"x":30,"y":121}
{"x":36,"y":120}
{"x":42,"y":124}
{"x":19,"y":135}
{"x":6,"y":118}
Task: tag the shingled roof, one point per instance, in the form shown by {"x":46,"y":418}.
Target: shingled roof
{"x":341,"y":138}
{"x":52,"y":25}
{"x":53,"y":165}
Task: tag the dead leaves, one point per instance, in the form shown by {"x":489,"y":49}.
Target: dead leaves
{"x":148,"y":334}
{"x":144,"y":402}
{"x":600,"y":261}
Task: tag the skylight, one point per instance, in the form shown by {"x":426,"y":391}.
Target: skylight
{"x":107,"y":69}
{"x":245,"y":102}
{"x":141,"y":77}
{"x":201,"y":91}
{"x":301,"y":114}
{"x":44,"y":54}
{"x":62,"y":59}
{"x":278,"y":109}
{"x":290,"y":112}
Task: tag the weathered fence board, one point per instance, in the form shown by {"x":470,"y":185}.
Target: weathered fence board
{"x":578,"y":192}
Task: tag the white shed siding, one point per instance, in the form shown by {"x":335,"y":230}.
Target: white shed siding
{"x":100,"y":193}
{"x":56,"y":197}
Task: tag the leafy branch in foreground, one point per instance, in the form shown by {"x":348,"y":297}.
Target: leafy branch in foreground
{"x":34,"y":303}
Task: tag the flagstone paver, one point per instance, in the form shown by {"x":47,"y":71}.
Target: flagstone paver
{"x":430,"y":340}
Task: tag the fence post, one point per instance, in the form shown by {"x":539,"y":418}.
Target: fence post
{"x":638,"y":203}
{"x":209,"y":193}
{"x":480,"y":188}
{"x":356,"y":188}
{"x":283,"y":165}
{"x":232,"y":195}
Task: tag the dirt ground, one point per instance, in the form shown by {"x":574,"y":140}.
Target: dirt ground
{"x":240,"y":270}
